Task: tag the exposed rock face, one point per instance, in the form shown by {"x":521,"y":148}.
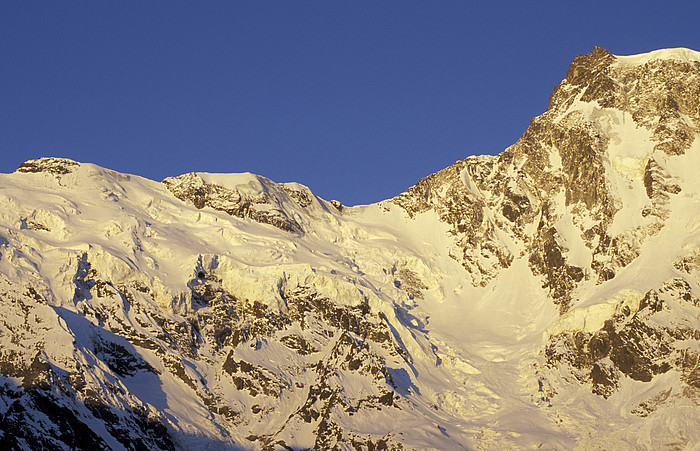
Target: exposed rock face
{"x":215,"y":329}
{"x":56,"y":405}
{"x":263,"y":207}
{"x":561,"y":164}
{"x":557,"y":281}
{"x":637,"y":344}
{"x":56,"y":166}
{"x":455,"y":194}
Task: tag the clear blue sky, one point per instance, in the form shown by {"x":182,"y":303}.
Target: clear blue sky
{"x":356,"y":99}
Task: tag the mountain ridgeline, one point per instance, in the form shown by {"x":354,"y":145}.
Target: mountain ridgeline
{"x":546,"y":297}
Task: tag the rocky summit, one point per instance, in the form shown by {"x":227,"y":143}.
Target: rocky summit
{"x":546,"y":297}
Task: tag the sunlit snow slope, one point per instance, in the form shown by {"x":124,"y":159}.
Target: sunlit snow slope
{"x":546,"y":297}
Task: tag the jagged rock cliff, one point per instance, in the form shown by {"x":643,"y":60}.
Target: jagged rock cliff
{"x":570,"y":161}
{"x":544,"y":297}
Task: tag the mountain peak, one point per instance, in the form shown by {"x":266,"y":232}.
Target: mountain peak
{"x":584,"y":67}
{"x":51,"y":165}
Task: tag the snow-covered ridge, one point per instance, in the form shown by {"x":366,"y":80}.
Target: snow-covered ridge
{"x":679,"y":54}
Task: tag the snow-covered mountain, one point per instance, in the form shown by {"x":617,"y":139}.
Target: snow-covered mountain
{"x":546,"y":297}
